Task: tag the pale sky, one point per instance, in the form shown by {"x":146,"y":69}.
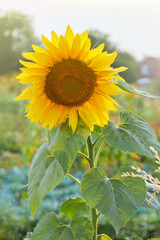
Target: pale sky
{"x":133,"y":24}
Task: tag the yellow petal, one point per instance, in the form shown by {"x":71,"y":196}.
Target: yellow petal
{"x":27,"y":72}
{"x":45,"y":120}
{"x":31,"y":79}
{"x":85,"y":50}
{"x":52,"y":49}
{"x":44,"y":59}
{"x":69,"y":36}
{"x":110,"y":72}
{"x":64,"y":47}
{"x":73,"y":118}
{"x":64,"y":113}
{"x":103,"y":102}
{"x":30,"y":56}
{"x":75,"y":49}
{"x":108,"y":87}
{"x":85,"y":115}
{"x":40,"y":50}
{"x":84,"y":37}
{"x":54,"y":115}
{"x":54,"y":39}
{"x":94,"y":52}
{"x":117,"y":70}
{"x":38,"y":108}
{"x":26,"y":94}
{"x":94,"y":113}
{"x":30,"y":64}
{"x":103,"y":61}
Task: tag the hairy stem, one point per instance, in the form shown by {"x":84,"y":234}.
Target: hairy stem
{"x":90,"y":147}
{"x":75,"y":179}
{"x":90,"y":151}
{"x":94,"y":222}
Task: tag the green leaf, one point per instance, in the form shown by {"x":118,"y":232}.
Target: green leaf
{"x":63,"y":139}
{"x":75,"y":207}
{"x":53,"y":161}
{"x":103,"y":237}
{"x":50,"y":228}
{"x":24,"y":192}
{"x":97,"y":129}
{"x":128,"y":88}
{"x":132,"y":135}
{"x":117,"y":198}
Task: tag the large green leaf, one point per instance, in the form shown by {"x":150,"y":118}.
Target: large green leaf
{"x":75,"y":207}
{"x":50,"y":228}
{"x":117,"y":198}
{"x":128,"y":88}
{"x":132,"y":135}
{"x":53,"y":160}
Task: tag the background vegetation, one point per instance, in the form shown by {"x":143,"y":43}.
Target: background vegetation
{"x":19,"y":139}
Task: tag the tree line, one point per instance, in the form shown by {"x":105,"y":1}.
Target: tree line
{"x":17,"y":35}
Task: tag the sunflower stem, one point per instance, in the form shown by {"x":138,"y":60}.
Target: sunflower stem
{"x":90,"y":146}
{"x":94,"y":222}
{"x":90,"y":151}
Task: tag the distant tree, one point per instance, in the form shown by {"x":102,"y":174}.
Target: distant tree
{"x":127,"y":60}
{"x":123,"y":58}
{"x":16,"y":36}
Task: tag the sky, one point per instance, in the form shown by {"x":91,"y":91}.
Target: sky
{"x":133,"y":25}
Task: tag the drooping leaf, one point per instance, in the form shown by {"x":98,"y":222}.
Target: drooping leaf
{"x":50,"y":228}
{"x":128,"y":88}
{"x":75,"y":207}
{"x":117,"y":198}
{"x":24,"y":192}
{"x":103,"y":237}
{"x":132,"y":135}
{"x":53,"y":160}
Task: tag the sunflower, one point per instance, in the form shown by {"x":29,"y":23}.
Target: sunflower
{"x":69,"y":79}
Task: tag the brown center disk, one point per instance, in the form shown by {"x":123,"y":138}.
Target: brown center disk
{"x":70,"y":83}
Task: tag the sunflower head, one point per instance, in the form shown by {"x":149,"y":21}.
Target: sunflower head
{"x":69,"y":79}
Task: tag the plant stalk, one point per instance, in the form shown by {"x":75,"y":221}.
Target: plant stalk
{"x":75,"y":179}
{"x":94,"y":222}
{"x":90,"y":147}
